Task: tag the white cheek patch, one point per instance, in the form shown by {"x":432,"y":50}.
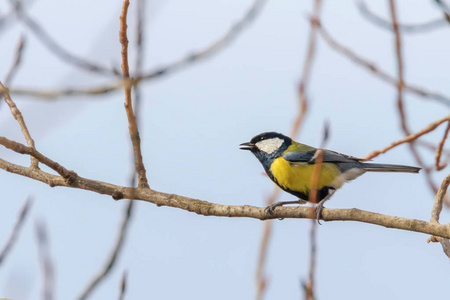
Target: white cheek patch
{"x":269,"y":146}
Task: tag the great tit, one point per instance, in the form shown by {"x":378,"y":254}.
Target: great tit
{"x":290,"y":165}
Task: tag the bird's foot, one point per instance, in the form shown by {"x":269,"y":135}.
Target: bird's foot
{"x":319,"y":209}
{"x":269,"y":209}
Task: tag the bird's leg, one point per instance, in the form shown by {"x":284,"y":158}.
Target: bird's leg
{"x":319,"y":206}
{"x":270,"y":208}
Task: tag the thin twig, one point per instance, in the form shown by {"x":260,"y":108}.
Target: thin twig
{"x":440,"y":147}
{"x":18,"y":116}
{"x":400,"y":103}
{"x":400,"y":75}
{"x":436,"y":212}
{"x":68,"y":175}
{"x":186,"y":61}
{"x":132,"y":124}
{"x":406,"y":28}
{"x":409,"y":138}
{"x":140,"y":8}
{"x":15,"y":230}
{"x":437,"y":206}
{"x":45,"y":261}
{"x":113,"y":257}
{"x":383,"y":75}
{"x":17,"y":59}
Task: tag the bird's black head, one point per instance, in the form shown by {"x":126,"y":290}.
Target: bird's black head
{"x":267,"y":146}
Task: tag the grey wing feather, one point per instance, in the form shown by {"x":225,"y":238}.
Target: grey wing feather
{"x":328,"y":156}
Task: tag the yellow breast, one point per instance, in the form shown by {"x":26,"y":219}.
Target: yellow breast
{"x":297,"y":176}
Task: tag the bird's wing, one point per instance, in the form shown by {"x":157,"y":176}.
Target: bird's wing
{"x":328,"y":156}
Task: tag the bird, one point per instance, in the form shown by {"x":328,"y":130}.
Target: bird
{"x":290,"y":165}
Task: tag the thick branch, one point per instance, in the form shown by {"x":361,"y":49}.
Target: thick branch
{"x":211,"y":209}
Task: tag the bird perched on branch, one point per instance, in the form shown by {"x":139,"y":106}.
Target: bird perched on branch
{"x":291,"y":166}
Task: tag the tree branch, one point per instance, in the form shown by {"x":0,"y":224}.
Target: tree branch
{"x":435,"y":214}
{"x":413,"y":137}
{"x":211,"y":209}
{"x":18,"y":116}
{"x":132,"y":124}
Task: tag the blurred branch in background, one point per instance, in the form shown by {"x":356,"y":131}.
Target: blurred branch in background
{"x":54,"y":47}
{"x":215,"y":47}
{"x":94,"y":282}
{"x":372,"y":68}
{"x":445,"y":9}
{"x":406,"y":28}
{"x":261,"y":280}
{"x":46,"y":262}
{"x":309,"y":284}
{"x":6,"y":19}
{"x":17,"y":60}
{"x":15,"y":230}
{"x":123,"y":285}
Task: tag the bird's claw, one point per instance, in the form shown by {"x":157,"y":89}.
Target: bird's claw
{"x":319,"y":209}
{"x":269,"y":209}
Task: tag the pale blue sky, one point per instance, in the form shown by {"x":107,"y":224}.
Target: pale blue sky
{"x":192,"y":124}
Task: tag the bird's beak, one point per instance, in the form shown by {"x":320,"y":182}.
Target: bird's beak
{"x":247,"y":146}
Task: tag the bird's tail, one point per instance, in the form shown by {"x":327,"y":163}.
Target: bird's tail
{"x":371,"y":167}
